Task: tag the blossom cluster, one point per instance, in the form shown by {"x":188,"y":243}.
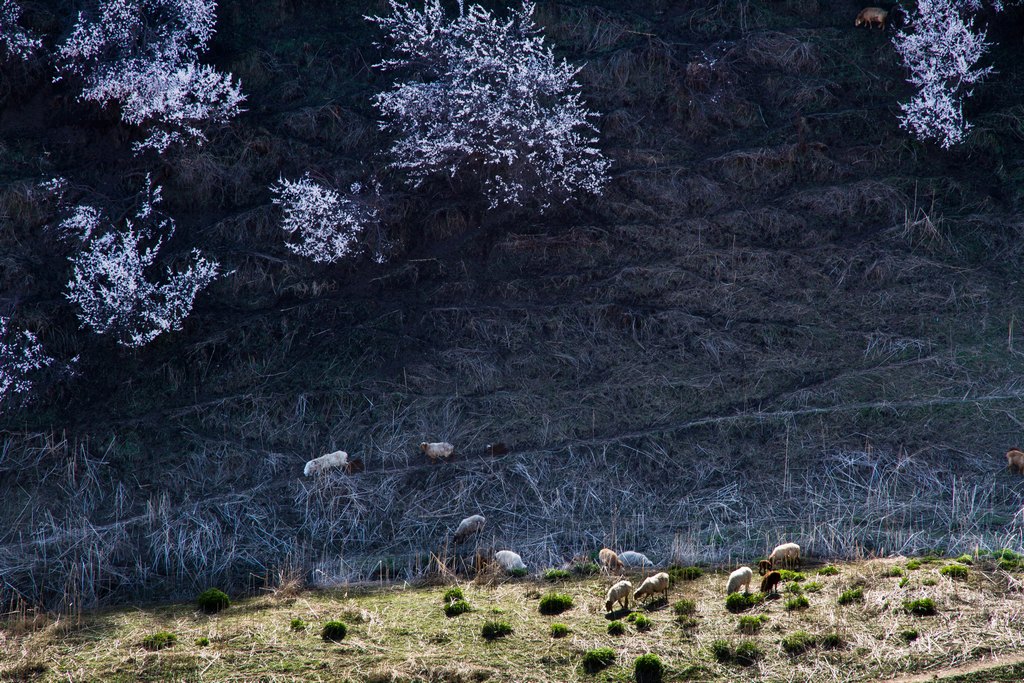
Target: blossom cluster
{"x":327,"y":225}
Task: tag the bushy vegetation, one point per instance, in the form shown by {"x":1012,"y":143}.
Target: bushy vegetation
{"x":798,"y":642}
{"x":559,"y":630}
{"x":334,"y":631}
{"x":455,"y":608}
{"x":829,"y":570}
{"x":616,"y":628}
{"x":684,"y":607}
{"x":751,"y":624}
{"x":921,"y":607}
{"x":555,"y":603}
{"x":851,"y":595}
{"x":159,"y":640}
{"x":643,"y":623}
{"x":746,"y":653}
{"x":677,"y":573}
{"x":790,"y":575}
{"x":955,"y":571}
{"x":213,"y":600}
{"x":202,"y":641}
{"x":797,"y":603}
{"x":298,"y":624}
{"x":909,"y":635}
{"x":452,"y":594}
{"x":648,"y":669}
{"x":492,"y":630}
{"x":738,"y":602}
{"x":557,"y":575}
{"x":586,"y":569}
{"x":597,"y":659}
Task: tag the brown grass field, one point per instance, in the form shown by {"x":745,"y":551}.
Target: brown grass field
{"x":399,"y":632}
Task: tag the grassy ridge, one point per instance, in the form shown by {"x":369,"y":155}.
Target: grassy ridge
{"x":400,"y":633}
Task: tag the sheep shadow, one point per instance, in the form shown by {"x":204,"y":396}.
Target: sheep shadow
{"x":618,"y":614}
{"x":655,"y":605}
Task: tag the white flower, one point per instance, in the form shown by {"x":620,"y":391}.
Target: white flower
{"x":328,"y":225}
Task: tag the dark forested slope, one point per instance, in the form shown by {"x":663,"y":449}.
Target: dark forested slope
{"x":784,"y":318}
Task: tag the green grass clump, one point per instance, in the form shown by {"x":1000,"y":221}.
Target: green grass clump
{"x":794,"y":588}
{"x":955,"y":571}
{"x":452,"y":594}
{"x":334,"y":631}
{"x":798,"y":642}
{"x":454,"y":609}
{"x":738,"y":602}
{"x":520,"y":573}
{"x":851,"y":596}
{"x":930,"y":581}
{"x":643,"y":623}
{"x":555,"y":603}
{"x":557,"y":575}
{"x":914,"y":564}
{"x":965,"y":559}
{"x":586,"y":569}
{"x":616,"y":628}
{"x":909,"y":635}
{"x":831,"y":641}
{"x":492,"y":630}
{"x":922,"y":607}
{"x":1008,"y":565}
{"x":159,"y":640}
{"x":790,"y":575}
{"x":685,"y":573}
{"x":597,"y":659}
{"x":213,"y":600}
{"x":1007,"y":554}
{"x":684,"y":607}
{"x":904,"y":581}
{"x":298,"y":624}
{"x":648,"y":669}
{"x":829,"y":570}
{"x":813,"y":586}
{"x":202,"y":641}
{"x":799,"y":602}
{"x":722,"y":651}
{"x":559,"y":630}
{"x":892,"y":572}
{"x":747,"y":653}
{"x":751,"y":624}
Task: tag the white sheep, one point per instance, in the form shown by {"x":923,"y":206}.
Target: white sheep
{"x":609,"y":560}
{"x":651,"y":585}
{"x":326,"y":462}
{"x":509,"y":561}
{"x":437,"y":451}
{"x":469,"y":526}
{"x":619,"y":593}
{"x":741,"y":577}
{"x":634,"y":559}
{"x":787,"y":552}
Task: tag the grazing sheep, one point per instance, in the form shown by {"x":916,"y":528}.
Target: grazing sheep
{"x":609,"y":560}
{"x":619,"y":593}
{"x":764,"y":566}
{"x":771,"y":582}
{"x":740,"y":577}
{"x":634,"y":559}
{"x":1015,"y":460}
{"x":497,"y":448}
{"x":509,"y":560}
{"x":869,"y":16}
{"x":651,"y":585}
{"x":468,"y":527}
{"x":788,"y":553}
{"x":437,"y":451}
{"x":325,"y":462}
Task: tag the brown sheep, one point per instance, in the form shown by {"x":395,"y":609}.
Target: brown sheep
{"x":770,"y":583}
{"x":764,"y":566}
{"x":609,"y":560}
{"x":1015,"y":460}
{"x":870,"y":16}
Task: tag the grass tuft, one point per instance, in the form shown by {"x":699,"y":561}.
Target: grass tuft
{"x":298,"y":624}
{"x":159,"y":640}
{"x":616,"y":628}
{"x":955,"y":571}
{"x":559,"y":630}
{"x":454,"y":609}
{"x":738,"y":602}
{"x":685,"y":573}
{"x":922,"y":607}
{"x":597,"y":659}
{"x":492,"y":630}
{"x":799,"y":602}
{"x":798,"y":642}
{"x":829,"y":570}
{"x":555,"y":603}
{"x":643,"y":623}
{"x":453,"y":594}
{"x":213,"y":600}
{"x":850,"y":596}
{"x":751,"y":624}
{"x":648,"y":669}
{"x":557,"y":575}
{"x":334,"y":631}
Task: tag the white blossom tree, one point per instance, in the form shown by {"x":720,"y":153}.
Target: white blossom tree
{"x":488,"y":99}
{"x":110,"y":280}
{"x":941,"y":49}
{"x":327,"y":225}
{"x":142,"y":55}
{"x":21,"y":354}
{"x":15,"y":42}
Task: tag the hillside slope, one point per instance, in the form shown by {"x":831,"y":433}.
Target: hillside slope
{"x":784,"y":319}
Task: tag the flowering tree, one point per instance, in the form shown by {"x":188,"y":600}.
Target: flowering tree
{"x":142,"y":54}
{"x":21,"y":354}
{"x":15,"y":42}
{"x":941,"y":49}
{"x":109,"y":281}
{"x":328,"y":225}
{"x":490,"y":99}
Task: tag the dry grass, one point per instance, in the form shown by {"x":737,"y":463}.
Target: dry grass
{"x":400,"y":631}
